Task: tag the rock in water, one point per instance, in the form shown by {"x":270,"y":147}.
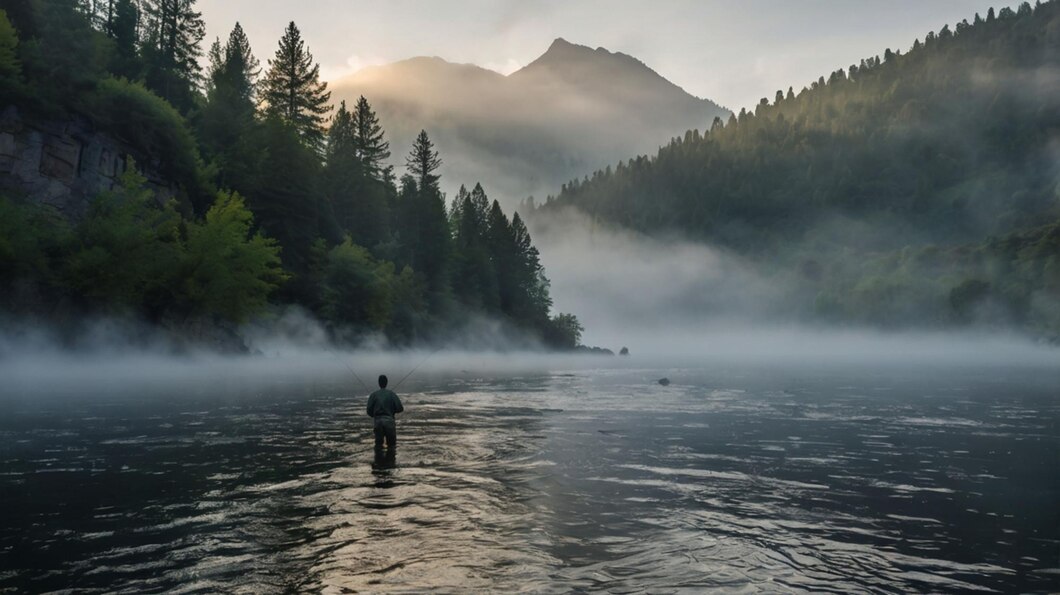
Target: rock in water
{"x":664,"y":381}
{"x":624,"y":351}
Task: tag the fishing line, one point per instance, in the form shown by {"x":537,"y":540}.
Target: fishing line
{"x":417,"y":367}
{"x":350,"y":368}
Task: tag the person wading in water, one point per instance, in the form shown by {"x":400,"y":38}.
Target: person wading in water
{"x":383,"y":405}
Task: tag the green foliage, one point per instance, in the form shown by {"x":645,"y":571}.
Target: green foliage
{"x":372,"y":148}
{"x":425,"y":226}
{"x":10,"y":65}
{"x":152,"y":127}
{"x":360,"y":291}
{"x":496,"y":268}
{"x":171,"y":50}
{"x":563,"y":332}
{"x":31,"y":241}
{"x":128,"y":251}
{"x":229,"y":271}
{"x":228,"y":127}
{"x":62,"y":56}
{"x":292,"y":90}
{"x":356,"y":181}
{"x":285,"y":197}
{"x":132,"y":255}
{"x":121,"y":23}
{"x":423,"y":161}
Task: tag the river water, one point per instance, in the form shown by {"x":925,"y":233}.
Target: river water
{"x":731,"y":478}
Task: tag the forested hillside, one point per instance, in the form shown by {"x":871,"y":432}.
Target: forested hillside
{"x":909,"y":188}
{"x":239,"y":189}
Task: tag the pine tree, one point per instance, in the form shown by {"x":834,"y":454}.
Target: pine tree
{"x":293,"y":91}
{"x":533,"y":301}
{"x":286,"y":199}
{"x":474,"y":275}
{"x":501,"y":245}
{"x":423,"y":161}
{"x":172,"y":49}
{"x":342,"y":173}
{"x":239,"y":72}
{"x":228,"y":126}
{"x":371,"y":147}
{"x":424,"y":223}
{"x":123,"y":24}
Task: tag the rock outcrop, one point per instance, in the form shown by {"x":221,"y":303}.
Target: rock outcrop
{"x":63,"y":164}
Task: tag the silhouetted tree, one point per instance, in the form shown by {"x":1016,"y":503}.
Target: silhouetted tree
{"x":293,"y":92}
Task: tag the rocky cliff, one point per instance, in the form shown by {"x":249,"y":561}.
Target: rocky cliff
{"x":63,"y":164}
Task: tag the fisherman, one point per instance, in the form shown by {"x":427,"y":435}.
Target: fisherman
{"x":383,"y":404}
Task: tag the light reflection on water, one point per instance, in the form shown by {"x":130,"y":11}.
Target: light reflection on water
{"x":726,"y":479}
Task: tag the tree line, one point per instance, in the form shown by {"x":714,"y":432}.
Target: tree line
{"x":323,"y":220}
{"x":947,"y":147}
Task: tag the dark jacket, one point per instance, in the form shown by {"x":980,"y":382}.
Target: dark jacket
{"x":384,"y":402}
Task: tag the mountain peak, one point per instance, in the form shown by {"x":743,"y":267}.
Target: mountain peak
{"x":561,"y":49}
{"x":601,"y":68}
{"x":559,"y":43}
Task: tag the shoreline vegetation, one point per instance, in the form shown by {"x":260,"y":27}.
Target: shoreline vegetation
{"x":252,"y":198}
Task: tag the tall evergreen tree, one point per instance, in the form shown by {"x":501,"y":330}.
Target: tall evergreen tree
{"x":235,"y":70}
{"x":532,"y":299}
{"x":293,"y":92}
{"x":371,"y":146}
{"x":343,"y":175}
{"x":473,"y":275}
{"x":123,"y":26}
{"x":286,"y":198}
{"x":425,"y":226}
{"x":501,"y":245}
{"x":423,"y":161}
{"x":63,"y":57}
{"x":172,"y":48}
{"x":228,"y":127}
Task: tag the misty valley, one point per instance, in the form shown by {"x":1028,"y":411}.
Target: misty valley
{"x":278,"y":318}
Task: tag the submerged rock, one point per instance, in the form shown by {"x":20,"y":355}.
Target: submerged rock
{"x":664,"y":381}
{"x":623,"y":351}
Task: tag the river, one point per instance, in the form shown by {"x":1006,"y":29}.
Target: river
{"x":733,"y":477}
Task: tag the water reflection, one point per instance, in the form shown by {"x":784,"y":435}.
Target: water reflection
{"x":384,"y":460}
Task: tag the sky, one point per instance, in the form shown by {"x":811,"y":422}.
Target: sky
{"x":731,"y":52}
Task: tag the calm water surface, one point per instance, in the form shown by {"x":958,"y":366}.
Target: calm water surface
{"x":738,"y":479}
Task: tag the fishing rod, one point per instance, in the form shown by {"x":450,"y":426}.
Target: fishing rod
{"x":424,"y":360}
{"x":403,"y":378}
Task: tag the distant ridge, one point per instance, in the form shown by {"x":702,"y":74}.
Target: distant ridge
{"x":570,"y":111}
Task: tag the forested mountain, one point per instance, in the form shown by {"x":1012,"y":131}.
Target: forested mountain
{"x":135,"y":183}
{"x":909,"y":187}
{"x":570,"y":111}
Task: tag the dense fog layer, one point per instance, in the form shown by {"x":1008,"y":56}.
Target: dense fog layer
{"x":32,"y":366}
